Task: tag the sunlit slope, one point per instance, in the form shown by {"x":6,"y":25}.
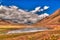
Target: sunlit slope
{"x":53,"y":18}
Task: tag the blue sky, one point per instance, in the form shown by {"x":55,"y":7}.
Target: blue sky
{"x":31,"y":4}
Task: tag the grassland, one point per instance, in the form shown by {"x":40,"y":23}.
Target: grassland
{"x":53,"y":34}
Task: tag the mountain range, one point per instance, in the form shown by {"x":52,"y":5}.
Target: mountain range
{"x":53,"y":19}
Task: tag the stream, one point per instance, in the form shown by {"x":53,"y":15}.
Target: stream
{"x":27,"y":30}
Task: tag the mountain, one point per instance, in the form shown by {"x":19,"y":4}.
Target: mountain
{"x":52,"y":19}
{"x":55,"y":21}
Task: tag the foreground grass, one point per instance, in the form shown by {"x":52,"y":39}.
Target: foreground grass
{"x":42,"y":35}
{"x":47,"y":35}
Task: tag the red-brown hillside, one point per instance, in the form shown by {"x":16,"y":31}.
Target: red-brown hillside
{"x":52,"y":19}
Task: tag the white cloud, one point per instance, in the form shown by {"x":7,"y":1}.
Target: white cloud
{"x":1,"y":7}
{"x":43,"y":16}
{"x":46,"y":7}
{"x":46,"y":14}
{"x":21,"y":16}
{"x":37,"y":9}
{"x":41,"y":9}
{"x":15,"y":7}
